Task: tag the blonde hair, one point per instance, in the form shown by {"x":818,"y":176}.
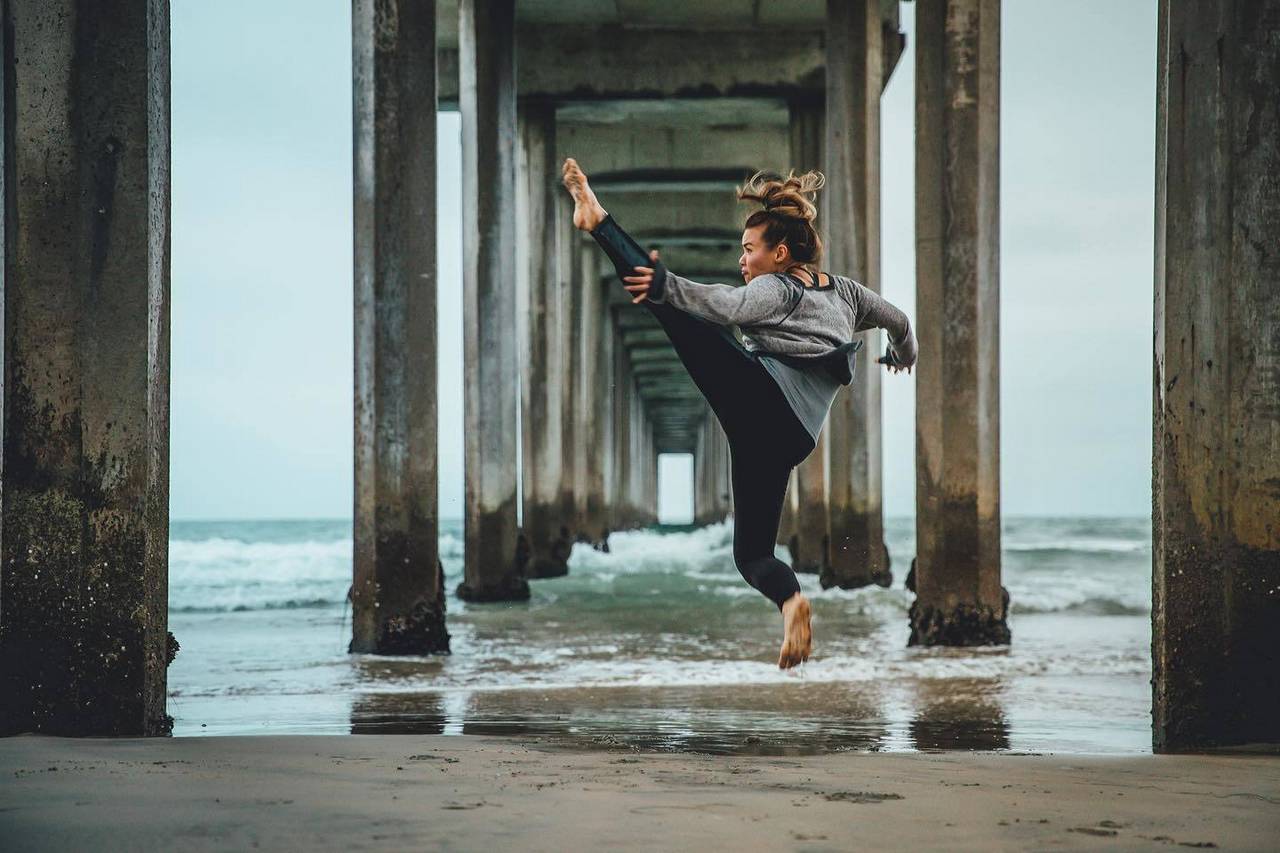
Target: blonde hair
{"x":787,"y":210}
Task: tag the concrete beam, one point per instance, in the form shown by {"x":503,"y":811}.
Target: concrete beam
{"x":397,"y":594}
{"x":716,"y":180}
{"x":673,"y":383}
{"x":486,"y":32}
{"x":739,"y":115}
{"x":652,"y":352}
{"x":706,"y":236}
{"x":638,"y":337}
{"x":857,"y":555}
{"x":658,"y":213}
{"x":635,"y":317}
{"x":610,"y":62}
{"x":641,"y":148}
{"x":1215,"y":613}
{"x":84,"y":548}
{"x":959,"y":600}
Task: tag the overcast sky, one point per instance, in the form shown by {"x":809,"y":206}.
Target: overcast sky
{"x":262,"y":302}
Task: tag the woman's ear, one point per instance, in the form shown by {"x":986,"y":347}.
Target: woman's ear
{"x":780,"y":253}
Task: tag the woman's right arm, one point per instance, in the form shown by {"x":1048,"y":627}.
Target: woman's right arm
{"x":765,"y":298}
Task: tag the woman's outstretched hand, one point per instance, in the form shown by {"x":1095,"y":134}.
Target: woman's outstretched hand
{"x":638,"y":285}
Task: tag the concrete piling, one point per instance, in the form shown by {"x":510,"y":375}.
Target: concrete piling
{"x":621,"y":509}
{"x":569,"y":364}
{"x":594,"y":338}
{"x":959,"y":600}
{"x":543,"y":384}
{"x":1215,"y":612}
{"x":84,"y":509}
{"x":487,"y":98}
{"x":786,"y":525}
{"x":397,"y":594}
{"x":810,"y":537}
{"x":809,"y":541}
{"x":856,"y":554}
{"x":709,"y":507}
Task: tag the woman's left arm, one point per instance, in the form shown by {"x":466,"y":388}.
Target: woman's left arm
{"x":876,"y":312}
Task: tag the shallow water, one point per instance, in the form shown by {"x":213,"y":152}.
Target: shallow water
{"x":660,"y":644}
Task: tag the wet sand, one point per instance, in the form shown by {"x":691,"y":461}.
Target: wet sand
{"x":479,"y":793}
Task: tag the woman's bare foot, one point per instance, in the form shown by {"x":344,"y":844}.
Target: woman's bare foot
{"x":797,"y":636}
{"x":587,"y":212}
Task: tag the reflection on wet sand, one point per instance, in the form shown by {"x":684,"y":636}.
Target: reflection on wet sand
{"x":405,"y":714}
{"x":959,"y":714}
{"x":801,"y":719}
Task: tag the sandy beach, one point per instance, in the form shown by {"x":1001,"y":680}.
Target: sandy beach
{"x":477,"y":793}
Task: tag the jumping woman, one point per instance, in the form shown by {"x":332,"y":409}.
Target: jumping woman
{"x":772,"y":395}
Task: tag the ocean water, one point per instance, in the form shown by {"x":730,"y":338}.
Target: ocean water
{"x":661,"y":644}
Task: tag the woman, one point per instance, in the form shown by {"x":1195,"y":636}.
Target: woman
{"x":772,"y":395}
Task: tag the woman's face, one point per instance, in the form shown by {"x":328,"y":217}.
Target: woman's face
{"x":758,"y":258}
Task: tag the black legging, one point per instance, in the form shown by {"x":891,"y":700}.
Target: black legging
{"x":766,"y":439}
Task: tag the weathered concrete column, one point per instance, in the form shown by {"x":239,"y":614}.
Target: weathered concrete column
{"x":857,"y":555}
{"x":639,"y":423}
{"x":586,"y":430}
{"x":610,"y":343}
{"x":569,"y":361}
{"x":84,"y":549}
{"x":397,"y":596}
{"x":621,"y":511}
{"x":959,"y":600}
{"x":703,"y":509}
{"x":543,"y":383}
{"x":808,"y":545}
{"x":809,"y":539}
{"x":1216,"y":415}
{"x":598,"y":398}
{"x":786,"y":526}
{"x":722,"y":489}
{"x":649,"y":459}
{"x":642,"y":462}
{"x":487,"y":98}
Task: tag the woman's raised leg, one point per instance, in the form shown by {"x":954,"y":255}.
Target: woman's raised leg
{"x":724,"y":371}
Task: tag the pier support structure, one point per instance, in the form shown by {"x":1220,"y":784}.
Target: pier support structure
{"x":569,"y":364}
{"x":84,"y":509}
{"x":621,"y":503}
{"x":594,"y":338}
{"x":959,"y":599}
{"x":856,"y":554}
{"x":543,"y":382}
{"x":397,"y":595}
{"x":790,"y":507}
{"x":649,"y":461}
{"x":711,"y":473}
{"x":1216,"y":404}
{"x":810,"y":534}
{"x":487,"y":99}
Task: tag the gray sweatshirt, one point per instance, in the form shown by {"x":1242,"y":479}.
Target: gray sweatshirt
{"x":787,"y":325}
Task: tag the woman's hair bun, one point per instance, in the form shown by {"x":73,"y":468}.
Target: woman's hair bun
{"x":790,"y":196}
